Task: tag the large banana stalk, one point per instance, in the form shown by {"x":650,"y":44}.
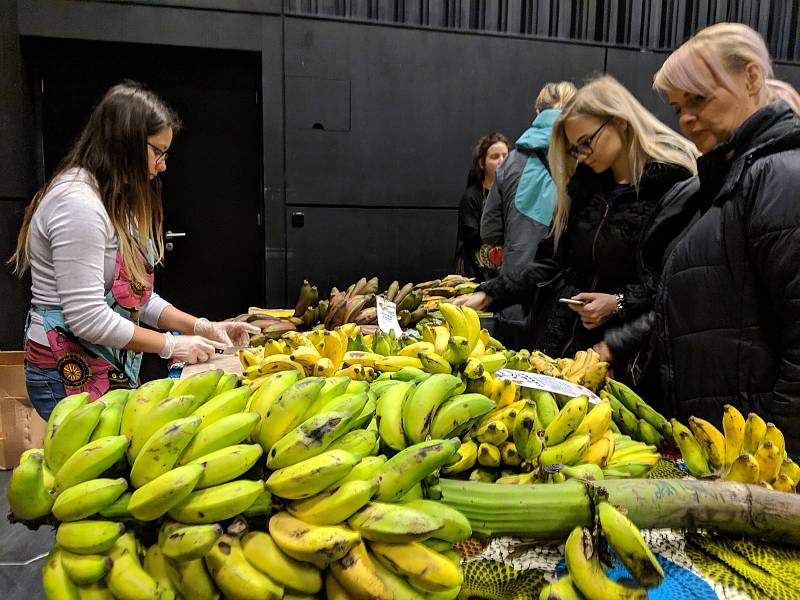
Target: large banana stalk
{"x":551,"y":511}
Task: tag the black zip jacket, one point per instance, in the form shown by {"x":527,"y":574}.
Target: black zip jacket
{"x":728,"y":308}
{"x":597,"y":252}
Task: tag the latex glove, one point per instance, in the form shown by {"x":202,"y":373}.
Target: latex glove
{"x":476,"y":300}
{"x":598,"y":309}
{"x":231,"y":333}
{"x":189,"y":348}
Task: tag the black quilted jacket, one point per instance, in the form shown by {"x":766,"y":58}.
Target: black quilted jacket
{"x":729,"y":301}
{"x":597,"y":252}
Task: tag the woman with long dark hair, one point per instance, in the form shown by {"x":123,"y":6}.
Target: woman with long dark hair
{"x":472,"y":257}
{"x":91,"y":238}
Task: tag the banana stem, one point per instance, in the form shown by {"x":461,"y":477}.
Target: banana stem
{"x":551,"y":511}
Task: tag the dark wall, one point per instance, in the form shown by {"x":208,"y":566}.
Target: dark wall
{"x":380,"y":124}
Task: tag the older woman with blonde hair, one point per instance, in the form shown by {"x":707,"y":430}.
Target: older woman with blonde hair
{"x":781,"y":90}
{"x":611,"y":161}
{"x":729,"y":302}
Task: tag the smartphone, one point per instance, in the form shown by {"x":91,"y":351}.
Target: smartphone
{"x":571,"y":301}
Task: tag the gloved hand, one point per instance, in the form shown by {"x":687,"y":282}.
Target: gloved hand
{"x":189,"y":348}
{"x":230,"y":333}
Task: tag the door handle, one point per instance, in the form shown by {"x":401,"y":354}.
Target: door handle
{"x":169,"y":246}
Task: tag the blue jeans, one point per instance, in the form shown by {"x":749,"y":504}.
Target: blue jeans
{"x":45,"y":389}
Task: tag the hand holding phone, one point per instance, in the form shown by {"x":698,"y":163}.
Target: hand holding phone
{"x":572,"y":302}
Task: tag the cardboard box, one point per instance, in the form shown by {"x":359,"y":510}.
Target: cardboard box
{"x":20,"y":426}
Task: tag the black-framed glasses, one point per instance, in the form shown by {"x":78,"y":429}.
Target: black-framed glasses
{"x":585,"y":148}
{"x":161,"y":156}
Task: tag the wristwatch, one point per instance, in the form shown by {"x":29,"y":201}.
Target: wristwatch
{"x":620,"y":302}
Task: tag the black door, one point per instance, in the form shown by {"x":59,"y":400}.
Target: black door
{"x":211,"y":190}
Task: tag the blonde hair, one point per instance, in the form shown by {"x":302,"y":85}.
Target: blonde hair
{"x":646,"y":139}
{"x":554,"y":95}
{"x":780,"y":90}
{"x":711,"y":57}
{"x":113,"y":148}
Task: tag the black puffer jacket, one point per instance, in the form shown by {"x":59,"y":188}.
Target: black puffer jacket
{"x":729,"y":302}
{"x":597,"y":252}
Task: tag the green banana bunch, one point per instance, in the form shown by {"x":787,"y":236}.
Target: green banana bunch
{"x":287,"y":411}
{"x":168,"y":410}
{"x":142,"y":400}
{"x":422,"y":403}
{"x":226,"y":464}
{"x":155,"y":498}
{"x":87,"y":498}
{"x":55,"y":581}
{"x":74,"y":433}
{"x":222,"y":405}
{"x":410,"y":466}
{"x":334,"y":506}
{"x":127,"y":580}
{"x":157,"y":566}
{"x":61,"y":410}
{"x":200,"y":385}
{"x":190,"y":542}
{"x":217,"y":503}
{"x":309,"y":439}
{"x":85,"y":569}
{"x":228,"y":431}
{"x":568,"y":452}
{"x":160,"y":453}
{"x":455,"y":526}
{"x":191,"y":579}
{"x":457,"y":414}
{"x":311,"y":476}
{"x":90,"y":461}
{"x":359,"y":442}
{"x":393,"y":523}
{"x":28,"y":498}
{"x":366,"y":469}
{"x":88,"y":537}
{"x":457,"y":352}
{"x":110,"y":420}
{"x":389,"y":411}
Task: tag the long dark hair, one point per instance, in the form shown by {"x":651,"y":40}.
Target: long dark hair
{"x":478,"y":169}
{"x":113,"y":148}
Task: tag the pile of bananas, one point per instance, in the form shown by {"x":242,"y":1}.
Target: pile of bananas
{"x":749,"y":451}
{"x":587,"y":577}
{"x":461,"y":346}
{"x":140,"y":485}
{"x":532,"y":440}
{"x":634,"y":417}
{"x":584,"y":369}
{"x":356,"y":305}
{"x":436,"y":291}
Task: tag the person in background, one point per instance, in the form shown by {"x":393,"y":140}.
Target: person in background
{"x":780,"y":90}
{"x":728,"y":308}
{"x":91,"y":238}
{"x":612,"y":161}
{"x":472,"y":257}
{"x":519,"y":209}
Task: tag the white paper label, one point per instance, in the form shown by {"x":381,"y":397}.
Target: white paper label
{"x":546,"y":383}
{"x":387,"y":316}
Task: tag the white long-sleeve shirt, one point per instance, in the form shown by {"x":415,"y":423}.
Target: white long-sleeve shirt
{"x":73,"y":249}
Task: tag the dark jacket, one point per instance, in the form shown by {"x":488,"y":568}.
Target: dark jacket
{"x":729,"y":302}
{"x":597,"y":252}
{"x":469,"y":234}
{"x":519,"y":209}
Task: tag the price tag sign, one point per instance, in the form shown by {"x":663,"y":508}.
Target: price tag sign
{"x":545,"y":382}
{"x":387,"y":316}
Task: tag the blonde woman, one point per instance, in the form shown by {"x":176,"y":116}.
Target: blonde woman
{"x":91,"y":237}
{"x":612,"y":161}
{"x":729,"y":303}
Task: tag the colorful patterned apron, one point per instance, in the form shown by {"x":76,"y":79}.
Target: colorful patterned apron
{"x":86,"y":367}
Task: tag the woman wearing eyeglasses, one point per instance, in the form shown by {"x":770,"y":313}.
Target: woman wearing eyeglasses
{"x":91,"y":238}
{"x":612,"y":161}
